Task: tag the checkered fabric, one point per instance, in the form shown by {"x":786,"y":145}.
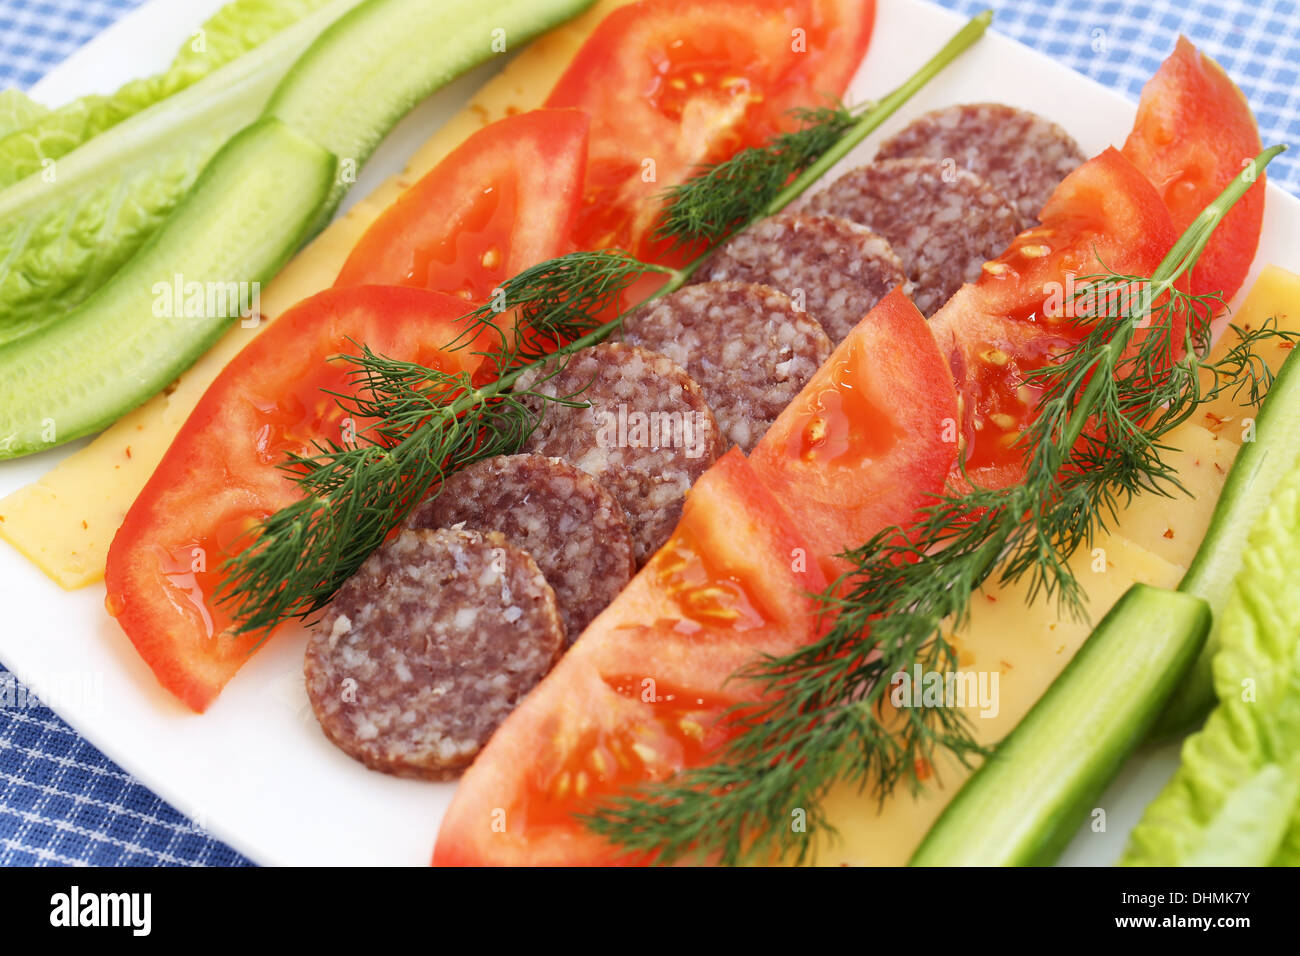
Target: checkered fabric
{"x":35,"y":35}
{"x":63,"y":802}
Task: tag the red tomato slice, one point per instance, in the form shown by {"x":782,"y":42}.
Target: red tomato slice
{"x":871,"y":437}
{"x":502,"y":201}
{"x":220,"y":475}
{"x":637,"y":698}
{"x":1193,"y":132}
{"x":672,"y":84}
{"x":1014,"y":318}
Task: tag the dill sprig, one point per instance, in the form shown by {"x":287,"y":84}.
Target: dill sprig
{"x":419,"y":426}
{"x":759,"y":182}
{"x":554,"y":303}
{"x":1105,"y":406}
{"x":707,"y":207}
{"x":422,"y":425}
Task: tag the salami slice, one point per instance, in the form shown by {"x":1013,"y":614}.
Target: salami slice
{"x":835,"y":269}
{"x":642,"y":428}
{"x":746,"y":345}
{"x":1020,"y":154}
{"x":943,"y":222}
{"x":565,"y":519}
{"x":428,"y":647}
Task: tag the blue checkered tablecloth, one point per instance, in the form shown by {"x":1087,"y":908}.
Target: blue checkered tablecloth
{"x":63,"y":802}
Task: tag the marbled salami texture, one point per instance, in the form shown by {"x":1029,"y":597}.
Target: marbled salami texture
{"x":834,"y":269}
{"x":746,"y":345}
{"x":640,"y":425}
{"x":563,"y":517}
{"x":428,"y":647}
{"x":1020,"y":154}
{"x":942,"y":221}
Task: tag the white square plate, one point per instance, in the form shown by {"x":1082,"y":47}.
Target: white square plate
{"x":255,"y":771}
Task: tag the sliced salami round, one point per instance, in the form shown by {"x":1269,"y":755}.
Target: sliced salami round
{"x":1020,"y":154}
{"x":571,"y":526}
{"x":747,"y":346}
{"x":428,"y":647}
{"x":943,"y":222}
{"x":642,"y":428}
{"x":834,"y":269}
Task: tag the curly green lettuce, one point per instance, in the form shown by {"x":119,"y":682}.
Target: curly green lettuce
{"x":1235,"y":800}
{"x":232,"y":31}
{"x":18,"y":111}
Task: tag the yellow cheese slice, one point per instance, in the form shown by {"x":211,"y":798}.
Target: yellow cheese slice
{"x":1172,"y":527}
{"x":65,"y":522}
{"x":1276,"y":295}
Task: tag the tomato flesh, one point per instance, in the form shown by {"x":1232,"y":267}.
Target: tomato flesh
{"x":502,"y":201}
{"x":673,"y":84}
{"x":219,"y":477}
{"x":864,"y":444}
{"x":1018,"y":316}
{"x":1194,"y":130}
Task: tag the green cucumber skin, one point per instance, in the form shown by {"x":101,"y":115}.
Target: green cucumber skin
{"x":1026,"y":801}
{"x":1260,"y":465}
{"x":376,"y":62}
{"x":246,"y":214}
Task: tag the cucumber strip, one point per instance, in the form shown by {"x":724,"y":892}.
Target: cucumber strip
{"x":1259,"y":467}
{"x":62,"y":239}
{"x":372,"y":65}
{"x":248,"y":211}
{"x":1027,"y":800}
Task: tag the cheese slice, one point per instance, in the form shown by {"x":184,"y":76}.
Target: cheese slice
{"x":65,"y":521}
{"x":1275,"y":295}
{"x":1027,"y":646}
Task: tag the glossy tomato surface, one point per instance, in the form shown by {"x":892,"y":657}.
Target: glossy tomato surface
{"x":502,"y":201}
{"x":1193,"y":133}
{"x":872,"y":436}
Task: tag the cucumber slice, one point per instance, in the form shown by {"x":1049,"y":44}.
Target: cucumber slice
{"x":1260,"y":465}
{"x":1026,"y":801}
{"x":375,"y":63}
{"x":248,"y":211}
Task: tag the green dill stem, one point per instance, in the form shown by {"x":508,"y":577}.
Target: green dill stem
{"x":881,"y":111}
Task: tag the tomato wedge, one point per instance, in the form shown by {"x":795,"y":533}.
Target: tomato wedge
{"x":870,"y":438}
{"x":1016,"y":318}
{"x":1193,"y":132}
{"x":220,"y":475}
{"x":638,"y":697}
{"x":672,"y":84}
{"x":502,"y":201}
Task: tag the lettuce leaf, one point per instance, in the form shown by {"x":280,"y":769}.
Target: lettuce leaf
{"x":1233,"y":801}
{"x":66,"y":229}
{"x":233,"y":30}
{"x":1248,"y":830}
{"x":18,"y":111}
